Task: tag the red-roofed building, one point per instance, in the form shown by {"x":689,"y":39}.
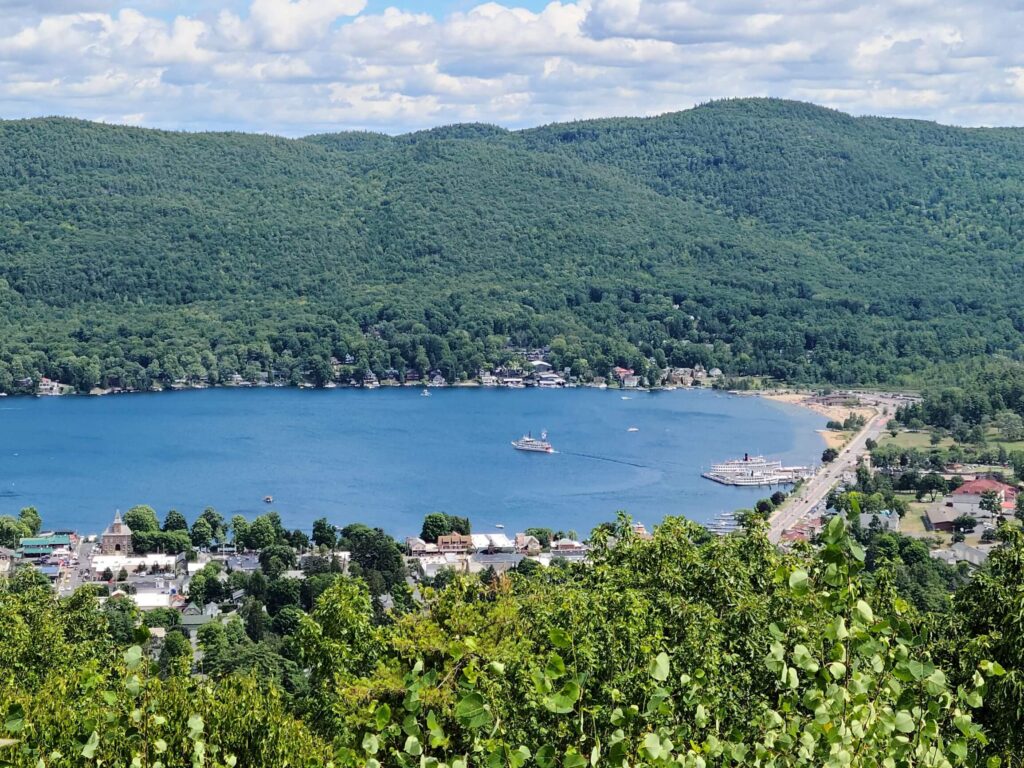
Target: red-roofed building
{"x":966,"y":500}
{"x":621,"y":373}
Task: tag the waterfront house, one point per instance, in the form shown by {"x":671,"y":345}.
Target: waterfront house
{"x":418,"y":546}
{"x":640,"y":531}
{"x":370,"y":380}
{"x":568,"y":547}
{"x":526,"y":544}
{"x":540,"y":366}
{"x":437,"y":380}
{"x":550,"y":380}
{"x":488,"y":379}
{"x":49,"y":388}
{"x":454,"y":543}
{"x":630,"y":382}
{"x":621,"y":373}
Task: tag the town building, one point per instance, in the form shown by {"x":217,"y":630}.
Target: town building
{"x":36,"y":547}
{"x":568,"y":548}
{"x":492,"y":542}
{"x":7,"y":557}
{"x":454,"y":542}
{"x":117,"y":539}
{"x":964,"y":553}
{"x":966,"y":500}
{"x":526,"y":544}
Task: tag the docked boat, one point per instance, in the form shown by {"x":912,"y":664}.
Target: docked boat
{"x":529,"y":443}
{"x":756,"y":471}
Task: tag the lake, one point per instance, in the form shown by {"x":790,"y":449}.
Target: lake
{"x":387,"y":457}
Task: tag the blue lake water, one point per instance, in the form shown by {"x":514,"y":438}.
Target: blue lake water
{"x":389,"y":456}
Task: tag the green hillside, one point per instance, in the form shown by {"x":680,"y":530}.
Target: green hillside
{"x":764,"y":237}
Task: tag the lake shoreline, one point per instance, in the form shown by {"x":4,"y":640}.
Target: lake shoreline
{"x":832,"y":438}
{"x":390,"y":459}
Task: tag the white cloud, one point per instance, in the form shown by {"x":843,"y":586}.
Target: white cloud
{"x":297,"y":66}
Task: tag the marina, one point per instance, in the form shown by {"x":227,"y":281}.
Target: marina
{"x":756,"y":471}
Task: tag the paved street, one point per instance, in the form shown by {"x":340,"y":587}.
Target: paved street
{"x":816,"y":489}
{"x":71,"y":579}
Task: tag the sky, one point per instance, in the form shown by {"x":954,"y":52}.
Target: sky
{"x":295,"y":67}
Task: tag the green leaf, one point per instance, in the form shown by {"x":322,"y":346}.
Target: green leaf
{"x":412,"y":747}
{"x":573,"y":759}
{"x":382,"y":717}
{"x":370,"y":743}
{"x":160,"y":746}
{"x":564,"y":699}
{"x":471,"y":711}
{"x":798,"y":581}
{"x":660,"y":667}
{"x":517,"y":757}
{"x":89,"y":749}
{"x":555,"y":667}
{"x":904,"y":722}
{"x":545,"y":756}
{"x":15,"y":718}
{"x":133,"y":657}
{"x":863,"y":612}
{"x":834,"y":530}
{"x":652,"y":746}
{"x":559,"y":638}
{"x":857,"y":551}
{"x":195,"y":725}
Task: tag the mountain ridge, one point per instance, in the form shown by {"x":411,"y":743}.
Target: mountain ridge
{"x":764,"y":237}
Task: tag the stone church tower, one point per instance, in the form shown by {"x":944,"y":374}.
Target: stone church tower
{"x":117,"y":539}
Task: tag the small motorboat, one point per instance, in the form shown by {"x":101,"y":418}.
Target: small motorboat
{"x":633,"y":429}
{"x":499,"y":525}
{"x":268,"y":499}
{"x":425,"y":393}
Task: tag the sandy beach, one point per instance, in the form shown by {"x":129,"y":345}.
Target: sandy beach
{"x":832,"y":438}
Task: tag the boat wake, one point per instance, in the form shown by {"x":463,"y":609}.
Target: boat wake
{"x":605,"y":458}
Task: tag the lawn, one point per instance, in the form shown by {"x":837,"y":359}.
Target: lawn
{"x":919,"y":439}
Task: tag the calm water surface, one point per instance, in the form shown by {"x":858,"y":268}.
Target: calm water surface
{"x":389,"y":456}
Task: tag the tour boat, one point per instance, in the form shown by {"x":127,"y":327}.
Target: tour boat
{"x":530,"y":443}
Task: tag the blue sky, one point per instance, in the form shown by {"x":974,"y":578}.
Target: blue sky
{"x":300,"y":66}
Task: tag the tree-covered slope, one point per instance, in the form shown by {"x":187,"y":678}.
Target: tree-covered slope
{"x":759,"y":236}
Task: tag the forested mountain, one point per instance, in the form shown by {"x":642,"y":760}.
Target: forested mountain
{"x":761,"y":236}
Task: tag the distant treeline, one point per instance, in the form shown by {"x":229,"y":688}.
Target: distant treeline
{"x":758,"y":236}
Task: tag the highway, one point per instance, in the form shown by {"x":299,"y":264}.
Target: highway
{"x":816,"y":489}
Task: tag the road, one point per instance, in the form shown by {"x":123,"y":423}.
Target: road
{"x":816,"y":489}
{"x":71,"y":579}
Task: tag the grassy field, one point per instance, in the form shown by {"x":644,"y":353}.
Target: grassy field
{"x":993,"y":437}
{"x":921,"y":440}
